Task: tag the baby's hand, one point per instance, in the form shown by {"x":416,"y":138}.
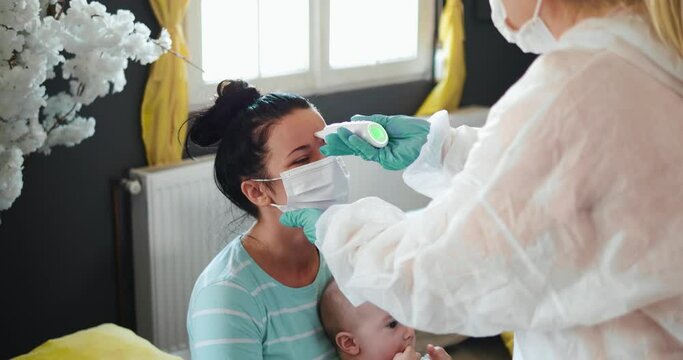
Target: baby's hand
{"x":408,"y":354}
{"x":437,"y":353}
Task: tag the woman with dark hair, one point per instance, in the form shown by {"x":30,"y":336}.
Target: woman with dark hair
{"x":257,"y":298}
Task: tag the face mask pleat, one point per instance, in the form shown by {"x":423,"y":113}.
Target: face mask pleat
{"x":320,"y":185}
{"x":532,"y":37}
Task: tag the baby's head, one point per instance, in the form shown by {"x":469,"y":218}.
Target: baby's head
{"x":363,"y":332}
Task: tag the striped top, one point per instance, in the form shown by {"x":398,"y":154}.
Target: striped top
{"x":237,"y":311}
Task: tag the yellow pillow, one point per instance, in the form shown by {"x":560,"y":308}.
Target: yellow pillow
{"x":107,"y":341}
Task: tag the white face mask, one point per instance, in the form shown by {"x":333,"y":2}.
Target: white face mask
{"x":319,"y":185}
{"x":533,"y":37}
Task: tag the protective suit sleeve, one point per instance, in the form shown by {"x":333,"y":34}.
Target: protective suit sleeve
{"x":538,"y":231}
{"x":441,"y":157}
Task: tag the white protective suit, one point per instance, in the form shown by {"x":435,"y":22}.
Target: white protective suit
{"x":561,"y":219}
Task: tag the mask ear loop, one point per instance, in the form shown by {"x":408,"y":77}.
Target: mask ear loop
{"x":277,"y":206}
{"x":267,"y":180}
{"x":537,"y":12}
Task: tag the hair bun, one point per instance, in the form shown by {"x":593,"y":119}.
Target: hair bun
{"x":209,"y":125}
{"x":239,"y":94}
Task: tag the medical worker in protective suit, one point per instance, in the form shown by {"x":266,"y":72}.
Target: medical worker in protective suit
{"x":561,"y":219}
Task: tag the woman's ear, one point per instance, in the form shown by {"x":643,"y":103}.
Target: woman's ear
{"x":255,"y":192}
{"x":346,"y":343}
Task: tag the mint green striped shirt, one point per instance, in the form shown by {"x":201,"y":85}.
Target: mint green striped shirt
{"x":237,"y":311}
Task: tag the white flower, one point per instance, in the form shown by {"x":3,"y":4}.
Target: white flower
{"x":11,"y":164}
{"x":10,"y":41}
{"x":33,"y":138}
{"x":69,"y":135}
{"x":44,"y":46}
{"x":165,"y":39}
{"x":153,"y":50}
{"x":16,"y":14}
{"x":60,"y":106}
{"x":27,"y":136}
{"x":21,"y":93}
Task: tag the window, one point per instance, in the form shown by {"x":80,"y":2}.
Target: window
{"x":308,"y":46}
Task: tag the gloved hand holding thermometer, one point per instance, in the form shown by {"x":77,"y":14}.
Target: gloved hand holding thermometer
{"x":369,"y":131}
{"x":392,"y":141}
{"x":394,"y":144}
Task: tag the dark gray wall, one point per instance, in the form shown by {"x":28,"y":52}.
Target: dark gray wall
{"x":391,"y":99}
{"x":58,"y":243}
{"x":492,"y":64}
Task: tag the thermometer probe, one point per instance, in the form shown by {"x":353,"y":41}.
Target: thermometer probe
{"x":369,"y":131}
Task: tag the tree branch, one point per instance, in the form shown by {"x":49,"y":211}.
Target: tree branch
{"x":57,"y":9}
{"x":63,"y":119}
{"x":12,"y":62}
{"x":177,"y":55}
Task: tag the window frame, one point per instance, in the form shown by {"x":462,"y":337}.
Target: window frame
{"x":320,"y":78}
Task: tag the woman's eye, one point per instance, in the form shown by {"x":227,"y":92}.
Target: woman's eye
{"x":301,"y":160}
{"x":392,"y":324}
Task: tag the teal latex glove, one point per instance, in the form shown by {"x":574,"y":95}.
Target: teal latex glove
{"x":302,"y":218}
{"x":406,"y":137}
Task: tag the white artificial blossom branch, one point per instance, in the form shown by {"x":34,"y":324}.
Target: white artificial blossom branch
{"x":88,"y":45}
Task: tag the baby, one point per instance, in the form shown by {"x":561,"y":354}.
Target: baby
{"x":366,"y":331}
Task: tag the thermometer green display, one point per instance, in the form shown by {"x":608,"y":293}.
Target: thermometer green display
{"x":369,"y":131}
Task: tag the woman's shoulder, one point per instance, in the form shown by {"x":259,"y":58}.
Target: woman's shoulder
{"x":606,"y":81}
{"x":230,"y":270}
{"x":566,"y":76}
{"x":558,"y":68}
{"x":610,"y":47}
{"x":229,"y":261}
{"x":220,"y":291}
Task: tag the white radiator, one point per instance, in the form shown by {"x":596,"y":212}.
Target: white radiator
{"x":181,"y":220}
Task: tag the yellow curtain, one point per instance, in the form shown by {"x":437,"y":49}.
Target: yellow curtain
{"x":509,"y":341}
{"x":448,"y":92}
{"x":165,"y":104}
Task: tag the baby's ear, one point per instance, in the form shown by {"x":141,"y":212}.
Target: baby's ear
{"x":346,"y":343}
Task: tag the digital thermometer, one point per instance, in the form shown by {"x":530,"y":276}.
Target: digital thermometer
{"x":369,"y":131}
